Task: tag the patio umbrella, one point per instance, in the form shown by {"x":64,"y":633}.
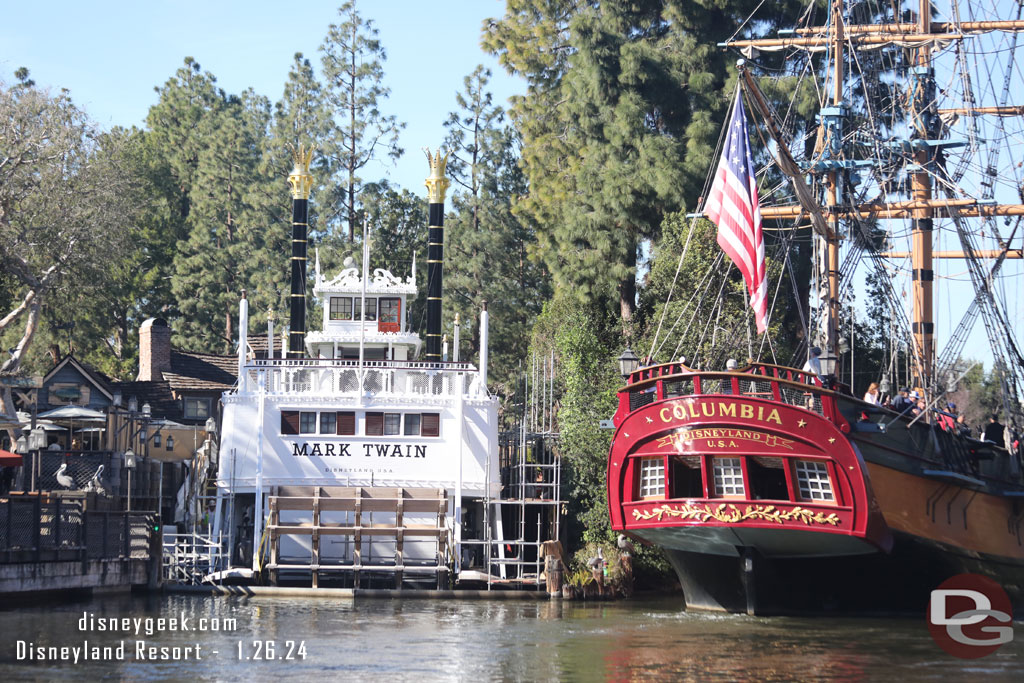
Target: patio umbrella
{"x":8,"y":459}
{"x":73,"y":413}
{"x":70,"y":415}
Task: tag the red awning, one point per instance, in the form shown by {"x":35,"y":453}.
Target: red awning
{"x":8,"y":459}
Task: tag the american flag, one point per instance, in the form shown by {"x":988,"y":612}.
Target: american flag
{"x":732,"y":206}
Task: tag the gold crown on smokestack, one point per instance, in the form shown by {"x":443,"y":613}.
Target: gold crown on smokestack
{"x":300,"y":178}
{"x":436,"y":182}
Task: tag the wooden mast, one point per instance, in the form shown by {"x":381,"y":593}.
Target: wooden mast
{"x":922,"y":208}
{"x":832,"y":241}
{"x":921,"y":99}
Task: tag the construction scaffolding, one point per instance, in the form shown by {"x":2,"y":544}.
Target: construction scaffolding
{"x":528,"y":512}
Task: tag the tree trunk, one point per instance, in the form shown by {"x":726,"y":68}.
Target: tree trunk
{"x":627,"y":290}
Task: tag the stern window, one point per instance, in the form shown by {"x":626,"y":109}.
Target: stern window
{"x":728,"y":477}
{"x":812,"y":478}
{"x":652,"y":477}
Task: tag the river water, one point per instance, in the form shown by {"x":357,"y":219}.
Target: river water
{"x":426,"y":640}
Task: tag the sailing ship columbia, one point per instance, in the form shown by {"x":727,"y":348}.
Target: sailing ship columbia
{"x":778,"y":490}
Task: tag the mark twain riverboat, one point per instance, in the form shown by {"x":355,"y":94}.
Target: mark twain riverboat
{"x":772,"y":491}
{"x":352,"y":458}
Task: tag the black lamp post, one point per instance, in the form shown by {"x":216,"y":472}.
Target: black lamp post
{"x":628,"y":363}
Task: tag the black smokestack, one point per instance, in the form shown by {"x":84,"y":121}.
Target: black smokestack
{"x":436,"y":184}
{"x":301,"y":182}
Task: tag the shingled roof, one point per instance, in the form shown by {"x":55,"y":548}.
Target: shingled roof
{"x":201,"y":371}
{"x":157,"y":394}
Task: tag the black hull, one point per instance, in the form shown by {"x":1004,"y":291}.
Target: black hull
{"x":896,"y":583}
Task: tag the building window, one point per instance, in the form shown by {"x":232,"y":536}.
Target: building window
{"x":289,"y":422}
{"x":412,"y":424}
{"x":371,"y":308}
{"x":307,"y":423}
{"x":341,"y":308}
{"x":375,"y":424}
{"x":728,"y":477}
{"x":652,"y":477}
{"x":197,"y":408}
{"x":812,"y":478}
{"x":328,"y":423}
{"x":392,"y":424}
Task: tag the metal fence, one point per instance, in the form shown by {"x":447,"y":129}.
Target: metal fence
{"x":35,"y":529}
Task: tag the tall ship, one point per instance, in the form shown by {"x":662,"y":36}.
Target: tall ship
{"x":776,"y":489}
{"x":361,"y":455}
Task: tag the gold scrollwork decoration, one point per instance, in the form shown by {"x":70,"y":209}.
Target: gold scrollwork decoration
{"x":731,"y":514}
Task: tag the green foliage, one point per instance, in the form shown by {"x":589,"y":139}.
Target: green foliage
{"x":619,"y":122}
{"x":708,"y":318}
{"x":481,"y":226}
{"x":588,"y":382}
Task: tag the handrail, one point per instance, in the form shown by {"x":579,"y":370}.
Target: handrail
{"x":320,"y":363}
{"x":714,"y":374}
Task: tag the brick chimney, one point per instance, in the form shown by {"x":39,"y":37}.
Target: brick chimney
{"x":154,"y":349}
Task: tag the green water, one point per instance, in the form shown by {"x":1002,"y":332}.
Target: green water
{"x":426,"y":640}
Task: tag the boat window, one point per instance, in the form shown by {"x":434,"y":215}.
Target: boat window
{"x":289,"y":422}
{"x":812,"y":478}
{"x":389,"y":309}
{"x":341,"y":308}
{"x":371,"y":308}
{"x":685,"y":479}
{"x":638,"y":399}
{"x":392,"y":424}
{"x":430,"y":424}
{"x":307,"y":423}
{"x":412,"y":424}
{"x":652,"y":477}
{"x":328,"y":423}
{"x":767,"y":478}
{"x":683,"y":387}
{"x":728,"y":475}
{"x":375,"y":424}
{"x":346,"y":424}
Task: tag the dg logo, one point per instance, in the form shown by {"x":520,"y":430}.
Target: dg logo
{"x":970,"y":616}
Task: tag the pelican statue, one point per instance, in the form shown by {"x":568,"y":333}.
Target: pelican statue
{"x":95,"y":485}
{"x":63,"y":479}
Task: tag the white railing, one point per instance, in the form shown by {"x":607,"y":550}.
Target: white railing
{"x":187,"y":558}
{"x":372,"y":378}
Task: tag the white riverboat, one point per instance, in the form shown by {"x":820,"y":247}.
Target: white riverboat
{"x":359,"y":456}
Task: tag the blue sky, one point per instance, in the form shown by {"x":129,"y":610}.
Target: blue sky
{"x":111,"y":55}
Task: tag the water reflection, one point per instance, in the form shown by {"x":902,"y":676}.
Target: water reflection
{"x":424,"y":640}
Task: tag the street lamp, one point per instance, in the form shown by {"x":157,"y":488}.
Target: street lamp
{"x":211,"y":426}
{"x":828,"y":364}
{"x":628,"y":363}
{"x":129,"y":464}
{"x":170,"y":443}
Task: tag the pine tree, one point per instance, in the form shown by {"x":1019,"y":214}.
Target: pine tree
{"x":481,"y":225}
{"x":353,"y":70}
{"x":624,"y":104}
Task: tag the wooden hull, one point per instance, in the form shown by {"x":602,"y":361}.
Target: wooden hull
{"x":863,"y":511}
{"x":898,"y":582}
